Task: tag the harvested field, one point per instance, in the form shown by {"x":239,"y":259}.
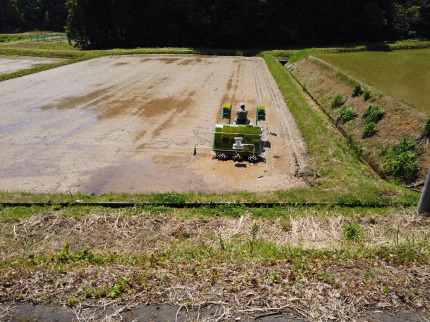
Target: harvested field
{"x":13,"y":64}
{"x":131,"y":123}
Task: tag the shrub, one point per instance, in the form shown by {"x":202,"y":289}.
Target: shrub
{"x":426,"y":127}
{"x":406,"y":144}
{"x":401,"y":161}
{"x":373,"y":114}
{"x":337,"y":101}
{"x":357,"y":91}
{"x":369,"y":129}
{"x":367,"y":95}
{"x":347,"y":113}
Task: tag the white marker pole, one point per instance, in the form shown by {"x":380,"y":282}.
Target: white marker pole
{"x":424,"y":203}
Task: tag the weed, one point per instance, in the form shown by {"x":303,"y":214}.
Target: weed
{"x":221,"y":242}
{"x":171,"y":197}
{"x":286,"y":225}
{"x":72,"y":301}
{"x":426,"y":128}
{"x":325,"y":277}
{"x":367,"y":95}
{"x":401,"y":161}
{"x":252,"y":241}
{"x":357,"y":91}
{"x":65,"y":256}
{"x":17,"y":213}
{"x":368,"y":275}
{"x":347,"y":113}
{"x":337,"y":101}
{"x":369,"y":129}
{"x":352,"y":231}
{"x":373,"y":114}
{"x":119,"y":287}
{"x":355,"y":147}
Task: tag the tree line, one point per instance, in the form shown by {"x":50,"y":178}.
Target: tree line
{"x":220,"y":23}
{"x":31,"y":15}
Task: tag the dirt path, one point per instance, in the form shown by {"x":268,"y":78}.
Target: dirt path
{"x":130,"y":124}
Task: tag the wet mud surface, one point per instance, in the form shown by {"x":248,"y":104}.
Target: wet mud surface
{"x":131,"y":123}
{"x":12,"y":64}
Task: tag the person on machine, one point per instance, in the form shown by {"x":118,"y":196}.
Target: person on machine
{"x":242,"y":115}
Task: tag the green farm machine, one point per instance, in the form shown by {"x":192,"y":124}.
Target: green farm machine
{"x":239,"y":141}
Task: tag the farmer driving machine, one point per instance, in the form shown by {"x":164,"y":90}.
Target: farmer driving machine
{"x":240,"y":140}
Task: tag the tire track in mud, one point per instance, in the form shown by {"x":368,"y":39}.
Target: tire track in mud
{"x":286,"y":122}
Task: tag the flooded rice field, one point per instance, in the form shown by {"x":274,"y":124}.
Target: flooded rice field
{"x":131,"y":124}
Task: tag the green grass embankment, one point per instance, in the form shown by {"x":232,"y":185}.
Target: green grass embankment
{"x":335,"y":171}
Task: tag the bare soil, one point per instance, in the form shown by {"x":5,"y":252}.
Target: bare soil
{"x":10,"y":65}
{"x":131,"y":123}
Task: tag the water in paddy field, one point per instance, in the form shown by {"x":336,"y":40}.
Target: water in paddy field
{"x":404,"y":74}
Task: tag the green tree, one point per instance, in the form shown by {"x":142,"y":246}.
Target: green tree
{"x":10,"y":17}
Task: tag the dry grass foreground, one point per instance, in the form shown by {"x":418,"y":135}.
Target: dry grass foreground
{"x":300,"y":264}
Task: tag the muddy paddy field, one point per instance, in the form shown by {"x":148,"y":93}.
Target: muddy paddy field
{"x":131,"y":123}
{"x":12,"y":64}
